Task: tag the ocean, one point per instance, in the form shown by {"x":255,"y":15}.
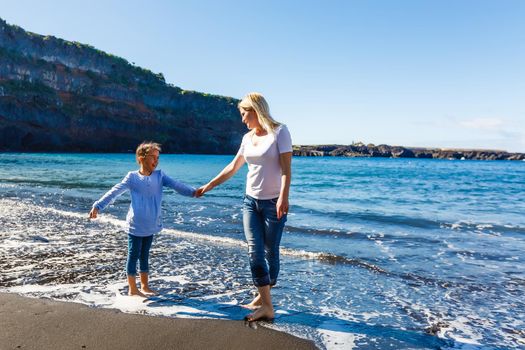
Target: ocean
{"x":377,"y":253}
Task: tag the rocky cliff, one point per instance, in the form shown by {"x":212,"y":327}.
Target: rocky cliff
{"x":57,"y":95}
{"x":386,"y":151}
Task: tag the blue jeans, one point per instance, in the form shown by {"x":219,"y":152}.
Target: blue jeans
{"x":138,"y":249}
{"x":263,"y":232}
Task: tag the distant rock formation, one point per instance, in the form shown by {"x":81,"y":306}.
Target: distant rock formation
{"x":386,"y":151}
{"x":62,"y":96}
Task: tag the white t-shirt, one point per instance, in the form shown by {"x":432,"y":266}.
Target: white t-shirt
{"x":264,"y":168}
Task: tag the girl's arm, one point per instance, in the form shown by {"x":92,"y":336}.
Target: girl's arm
{"x":286,"y":177}
{"x":110,"y":196}
{"x":224,"y":175}
{"x":178,"y":186}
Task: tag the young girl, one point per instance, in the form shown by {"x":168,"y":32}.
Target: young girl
{"x":144,"y":214}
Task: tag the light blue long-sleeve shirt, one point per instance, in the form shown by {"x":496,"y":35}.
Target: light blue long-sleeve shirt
{"x":145,"y":213}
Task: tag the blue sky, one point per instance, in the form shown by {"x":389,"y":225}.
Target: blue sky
{"x":443,"y":73}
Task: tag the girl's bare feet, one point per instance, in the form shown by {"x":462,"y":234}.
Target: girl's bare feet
{"x":144,"y":282}
{"x":133,"y":290}
{"x":148,"y":291}
{"x":264,"y":313}
{"x":136,"y":293}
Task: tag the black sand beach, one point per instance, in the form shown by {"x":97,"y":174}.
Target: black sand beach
{"x":27,"y":323}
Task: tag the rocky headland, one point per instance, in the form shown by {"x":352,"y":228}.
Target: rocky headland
{"x":386,"y":151}
{"x":63,"y":96}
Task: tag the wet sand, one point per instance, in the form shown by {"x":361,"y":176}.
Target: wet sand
{"x":27,"y":323}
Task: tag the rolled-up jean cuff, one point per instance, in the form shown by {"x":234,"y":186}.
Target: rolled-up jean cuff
{"x":261,"y":281}
{"x":273,"y":282}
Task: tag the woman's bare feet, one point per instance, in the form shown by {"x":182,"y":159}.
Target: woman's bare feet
{"x":255,"y":303}
{"x":264,"y":313}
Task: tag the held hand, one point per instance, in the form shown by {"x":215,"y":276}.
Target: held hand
{"x":282,"y":207}
{"x":199,"y":192}
{"x":202,"y":190}
{"x":93,"y":213}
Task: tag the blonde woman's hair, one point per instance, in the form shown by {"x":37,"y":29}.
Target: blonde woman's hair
{"x":256,"y":102}
{"x":145,"y":148}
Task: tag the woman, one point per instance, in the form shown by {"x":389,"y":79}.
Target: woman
{"x":267,"y":148}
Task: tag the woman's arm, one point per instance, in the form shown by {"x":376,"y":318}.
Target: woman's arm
{"x":286,"y":177}
{"x":223,"y":176}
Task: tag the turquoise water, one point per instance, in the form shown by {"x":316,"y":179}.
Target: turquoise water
{"x":378,"y":253}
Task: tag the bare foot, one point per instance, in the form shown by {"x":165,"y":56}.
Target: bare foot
{"x":136,"y":293}
{"x":148,"y":291}
{"x":264,"y":313}
{"x":255,"y":303}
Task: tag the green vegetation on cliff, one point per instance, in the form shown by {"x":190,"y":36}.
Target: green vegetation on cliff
{"x":57,"y":95}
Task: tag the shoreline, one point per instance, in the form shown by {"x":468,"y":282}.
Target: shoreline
{"x":31,"y":323}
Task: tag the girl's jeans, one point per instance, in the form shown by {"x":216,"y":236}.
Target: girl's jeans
{"x":263,"y":232}
{"x":138,"y":249}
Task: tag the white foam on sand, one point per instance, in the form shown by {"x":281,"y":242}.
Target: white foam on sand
{"x":113,"y":296}
{"x":335,"y":334}
{"x":178,"y":279}
{"x":334,"y":339}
